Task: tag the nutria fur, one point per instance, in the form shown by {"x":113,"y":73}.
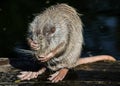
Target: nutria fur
{"x":58,"y":29}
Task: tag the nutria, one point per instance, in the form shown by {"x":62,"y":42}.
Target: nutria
{"x":56,"y":37}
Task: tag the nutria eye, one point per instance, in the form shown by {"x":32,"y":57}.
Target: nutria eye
{"x":52,"y":30}
{"x":38,"y":32}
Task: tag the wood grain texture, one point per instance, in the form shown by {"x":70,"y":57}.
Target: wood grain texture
{"x":94,"y":74}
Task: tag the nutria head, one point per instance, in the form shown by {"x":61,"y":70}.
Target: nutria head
{"x":42,"y":37}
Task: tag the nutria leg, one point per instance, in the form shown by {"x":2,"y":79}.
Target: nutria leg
{"x":27,"y":75}
{"x":58,"y":76}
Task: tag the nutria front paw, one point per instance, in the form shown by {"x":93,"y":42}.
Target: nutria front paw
{"x":33,"y":45}
{"x":44,"y":58}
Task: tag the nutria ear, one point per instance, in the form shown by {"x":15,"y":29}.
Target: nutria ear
{"x":52,"y":30}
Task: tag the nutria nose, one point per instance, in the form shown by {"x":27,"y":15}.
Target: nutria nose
{"x":35,"y":42}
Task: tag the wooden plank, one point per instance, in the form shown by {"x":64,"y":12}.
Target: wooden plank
{"x":100,"y":66}
{"x":63,"y":83}
{"x":4,"y":61}
{"x":94,"y":74}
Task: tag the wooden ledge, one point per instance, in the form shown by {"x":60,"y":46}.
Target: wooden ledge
{"x":94,"y":74}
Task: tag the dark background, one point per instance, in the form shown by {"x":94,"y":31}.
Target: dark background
{"x":101,"y":20}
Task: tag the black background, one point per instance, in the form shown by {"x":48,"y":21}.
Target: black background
{"x":100,"y":18}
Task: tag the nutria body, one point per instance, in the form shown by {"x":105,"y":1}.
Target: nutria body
{"x":57,"y":34}
{"x":59,"y":30}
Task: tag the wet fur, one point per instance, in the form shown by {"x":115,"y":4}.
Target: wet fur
{"x":66,"y":42}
